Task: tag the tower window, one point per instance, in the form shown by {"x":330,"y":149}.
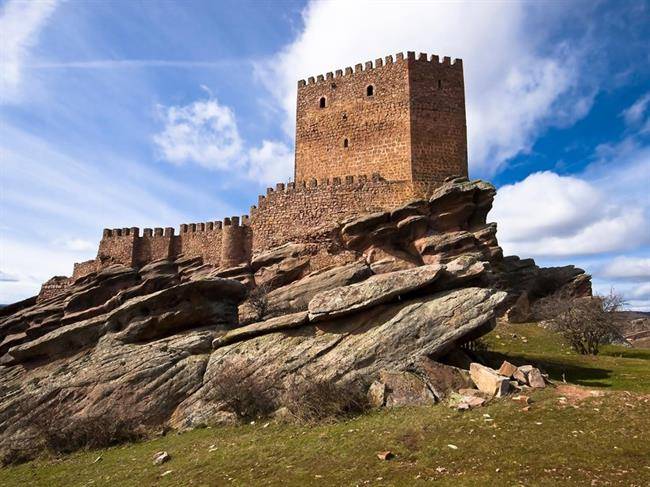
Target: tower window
{"x":439,"y":84}
{"x":346,"y":143}
{"x":322,"y":103}
{"x":370,"y":90}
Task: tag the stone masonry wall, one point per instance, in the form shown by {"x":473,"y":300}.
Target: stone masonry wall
{"x":437,"y":115}
{"x":409,"y":127}
{"x":292,"y":212}
{"x":376,"y":127}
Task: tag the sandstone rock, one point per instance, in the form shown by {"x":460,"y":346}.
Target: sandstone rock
{"x":383,"y":260}
{"x":296,"y":296}
{"x":385,"y":455}
{"x":521,"y":374}
{"x":470,"y":402}
{"x":161,"y":457}
{"x":488,"y":380}
{"x":284,"y":322}
{"x":371,"y":292}
{"x":404,"y":389}
{"x":278,"y":254}
{"x":535,"y":379}
{"x":441,"y":379}
{"x":192,"y":304}
{"x":377,"y":394}
{"x":281,"y":273}
{"x":507,"y":369}
{"x":520,"y":312}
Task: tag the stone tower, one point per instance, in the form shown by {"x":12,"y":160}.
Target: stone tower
{"x":402,"y":118}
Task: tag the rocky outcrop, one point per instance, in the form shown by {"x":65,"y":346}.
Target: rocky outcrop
{"x":377,"y":300}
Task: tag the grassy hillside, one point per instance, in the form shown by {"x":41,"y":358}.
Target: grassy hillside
{"x":569,"y":436}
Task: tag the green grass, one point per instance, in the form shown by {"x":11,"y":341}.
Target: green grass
{"x":597,"y":441}
{"x":616,"y":368}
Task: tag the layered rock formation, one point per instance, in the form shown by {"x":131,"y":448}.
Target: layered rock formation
{"x":405,"y":289}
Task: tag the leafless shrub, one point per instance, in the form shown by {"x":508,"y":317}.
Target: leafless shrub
{"x":586,"y":323}
{"x":243,"y":392}
{"x":61,"y":434}
{"x":57,"y":432}
{"x":310,"y":401}
{"x":258,"y":300}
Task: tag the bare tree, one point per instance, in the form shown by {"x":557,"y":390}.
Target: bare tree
{"x":586,"y":322}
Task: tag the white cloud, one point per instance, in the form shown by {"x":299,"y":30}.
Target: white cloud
{"x":551,"y":215}
{"x":206,"y":133}
{"x":514,"y":91}
{"x":636,"y":112}
{"x":270,"y":163}
{"x":20,"y":24}
{"x":623,"y":267}
{"x":5,"y":277}
{"x":203,"y":132}
{"x":76,"y":244}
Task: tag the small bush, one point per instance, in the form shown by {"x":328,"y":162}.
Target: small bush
{"x":62,"y":434}
{"x":51,"y":430}
{"x":243,"y":392}
{"x":259,"y":301}
{"x":586,"y":323}
{"x":311,"y":401}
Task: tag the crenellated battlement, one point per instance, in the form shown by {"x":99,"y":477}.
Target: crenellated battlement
{"x":379,"y":63}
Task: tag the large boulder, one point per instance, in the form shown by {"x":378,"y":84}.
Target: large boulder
{"x":297,"y":295}
{"x":371,"y":292}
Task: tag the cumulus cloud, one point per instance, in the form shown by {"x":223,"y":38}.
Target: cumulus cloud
{"x":624,"y":267}
{"x":204,"y":132}
{"x":271,"y":162}
{"x":20,"y":23}
{"x":515,"y":85}
{"x":551,"y":215}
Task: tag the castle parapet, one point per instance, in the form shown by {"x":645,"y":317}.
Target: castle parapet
{"x":378,"y":63}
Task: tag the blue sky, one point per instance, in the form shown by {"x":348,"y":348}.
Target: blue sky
{"x":155,"y":113}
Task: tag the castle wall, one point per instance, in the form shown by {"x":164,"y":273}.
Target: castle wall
{"x":118,"y":246}
{"x":292,"y":212}
{"x":376,"y":127}
{"x":438,"y":127}
{"x":200,"y":240}
{"x":83,"y":269}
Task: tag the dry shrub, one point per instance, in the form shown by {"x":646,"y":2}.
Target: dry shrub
{"x":60,"y":434}
{"x":258,"y":300}
{"x":586,"y":323}
{"x":309,"y":401}
{"x":57,"y":432}
{"x":242,"y":391}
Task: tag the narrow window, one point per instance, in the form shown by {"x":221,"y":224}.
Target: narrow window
{"x":322,"y":102}
{"x":370,"y":90}
{"x":346,"y":143}
{"x":439,"y":84}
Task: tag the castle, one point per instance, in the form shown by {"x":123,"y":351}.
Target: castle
{"x":367,"y":139}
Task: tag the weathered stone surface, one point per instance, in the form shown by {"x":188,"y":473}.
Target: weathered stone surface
{"x":371,"y":292}
{"x":507,"y":369}
{"x":278,"y":254}
{"x":404,"y":389}
{"x":441,"y":379}
{"x":521,"y":374}
{"x":284,"y":322}
{"x":296,"y":296}
{"x":535,"y":379}
{"x":192,"y":304}
{"x":488,"y":380}
{"x":282,"y":273}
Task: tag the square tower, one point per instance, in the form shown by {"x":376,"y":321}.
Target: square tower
{"x":401,"y":118}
